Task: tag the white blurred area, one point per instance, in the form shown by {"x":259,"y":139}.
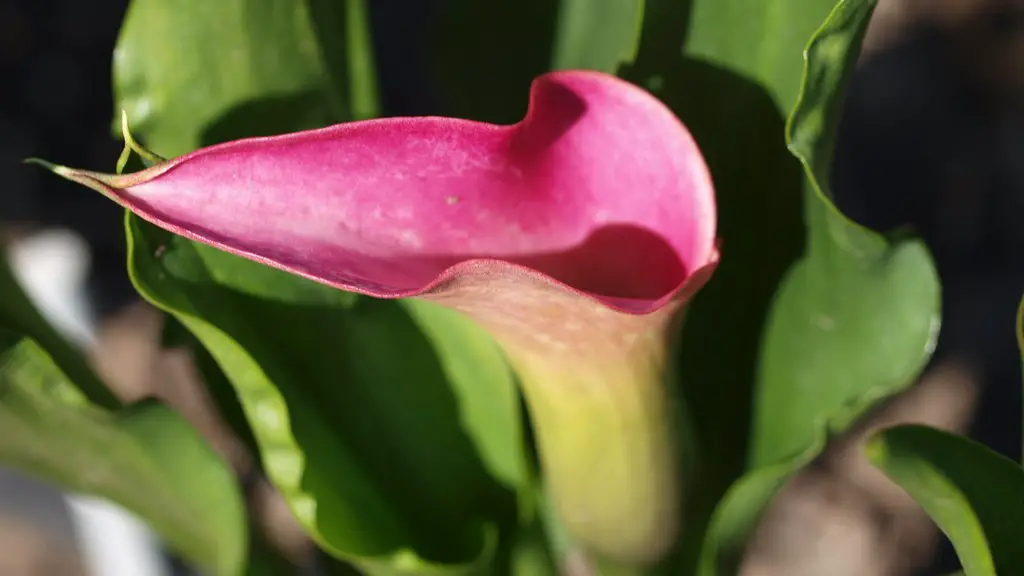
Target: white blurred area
{"x":52,"y":266}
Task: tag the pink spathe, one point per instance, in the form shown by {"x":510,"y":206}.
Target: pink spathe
{"x":600,"y":188}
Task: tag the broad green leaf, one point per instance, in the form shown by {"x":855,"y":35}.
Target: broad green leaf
{"x":597,"y":34}
{"x":351,"y":407}
{"x":484,"y":383}
{"x":851,"y":322}
{"x":190,"y":72}
{"x":975,"y":495}
{"x":146,"y":458}
{"x":857,"y":318}
{"x":854,"y":321}
{"x":379,"y":431}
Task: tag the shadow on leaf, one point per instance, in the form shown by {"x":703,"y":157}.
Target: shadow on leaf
{"x":758,"y":183}
{"x":269,"y":117}
{"x":365,"y":396}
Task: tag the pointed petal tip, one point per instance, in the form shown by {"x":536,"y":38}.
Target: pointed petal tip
{"x":55,"y":168}
{"x":103,"y":183}
{"x":367,"y":206}
{"x":62,"y":171}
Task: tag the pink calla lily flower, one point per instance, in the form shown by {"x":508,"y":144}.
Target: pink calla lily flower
{"x":575,"y":236}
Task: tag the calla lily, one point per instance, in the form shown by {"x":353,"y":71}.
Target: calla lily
{"x":575,"y":236}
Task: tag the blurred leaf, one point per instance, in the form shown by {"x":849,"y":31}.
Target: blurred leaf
{"x":852,"y":322}
{"x":19,"y":317}
{"x":531,"y":555}
{"x":145,"y":457}
{"x":189,"y":72}
{"x":59,"y":421}
{"x":975,"y":495}
{"x":267,"y":560}
{"x":353,"y":412}
{"x":597,"y":34}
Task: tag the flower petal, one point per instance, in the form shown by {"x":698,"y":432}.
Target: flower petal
{"x":599,"y":188}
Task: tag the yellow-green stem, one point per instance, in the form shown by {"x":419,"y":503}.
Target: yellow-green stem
{"x":608,"y":438}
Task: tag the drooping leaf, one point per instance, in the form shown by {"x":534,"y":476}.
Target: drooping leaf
{"x":851,"y":322}
{"x":856,"y":300}
{"x":975,"y":495}
{"x":144,"y":457}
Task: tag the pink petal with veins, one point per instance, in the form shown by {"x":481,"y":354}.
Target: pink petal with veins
{"x":600,"y":191}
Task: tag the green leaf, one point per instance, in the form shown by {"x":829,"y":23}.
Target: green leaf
{"x":370,"y":451}
{"x":190,"y":72}
{"x":146,"y":458}
{"x":379,"y":430}
{"x":852,"y":321}
{"x":217,"y":385}
{"x":597,"y":34}
{"x":476,"y":370}
{"x":531,"y":554}
{"x":975,"y":495}
{"x":858,"y":317}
